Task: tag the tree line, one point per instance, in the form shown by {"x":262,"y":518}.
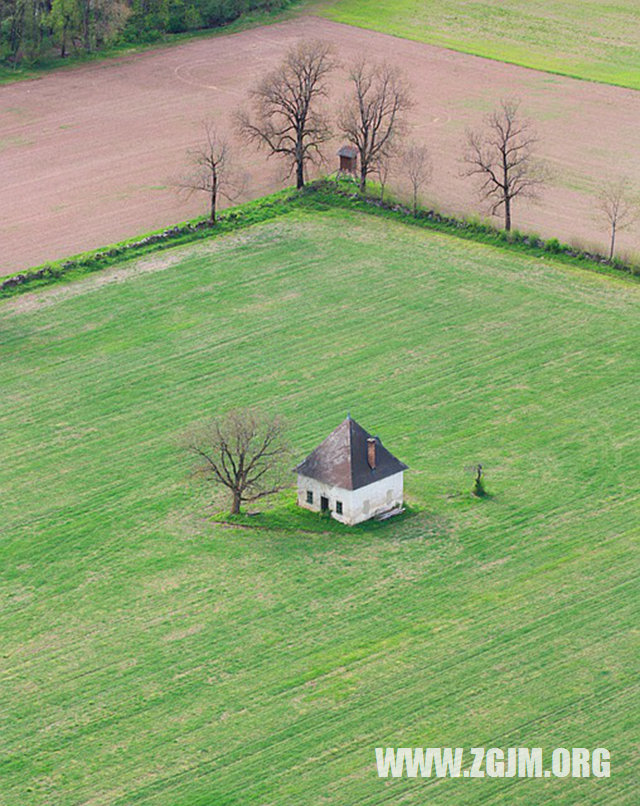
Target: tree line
{"x":286,"y":118}
{"x":33,"y":29}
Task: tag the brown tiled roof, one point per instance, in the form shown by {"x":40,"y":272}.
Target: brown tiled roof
{"x":341,"y":460}
{"x":348,"y":151}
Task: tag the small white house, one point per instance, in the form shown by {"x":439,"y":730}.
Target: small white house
{"x":352,"y":475}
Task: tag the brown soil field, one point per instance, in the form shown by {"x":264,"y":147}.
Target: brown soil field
{"x":89,"y":154}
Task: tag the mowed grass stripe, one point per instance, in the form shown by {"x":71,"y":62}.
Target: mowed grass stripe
{"x":250,"y":669}
{"x":275,"y":742}
{"x":150,"y":651}
{"x":616,"y":561}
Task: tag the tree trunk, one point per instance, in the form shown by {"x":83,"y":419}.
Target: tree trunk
{"x":214,"y":194}
{"x":299,"y":173}
{"x":86,"y":25}
{"x":235,"y":504}
{"x":86,"y":36}
{"x":507,"y":213}
{"x":613,"y":242}
{"x":363,"y":177}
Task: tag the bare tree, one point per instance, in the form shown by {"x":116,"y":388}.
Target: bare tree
{"x":502,"y":156}
{"x":212,"y":170}
{"x":244,"y":452}
{"x":618,"y":207}
{"x":287,"y":120}
{"x":384,"y":167}
{"x":372,"y":115}
{"x":417,"y":165}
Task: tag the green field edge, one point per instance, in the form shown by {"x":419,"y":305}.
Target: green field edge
{"x":322,"y":194}
{"x":444,"y":43}
{"x":52,"y":64}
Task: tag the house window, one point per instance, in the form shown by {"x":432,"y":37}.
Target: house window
{"x":309,"y":497}
{"x":338,"y":507}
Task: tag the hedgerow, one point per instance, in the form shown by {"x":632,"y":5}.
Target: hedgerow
{"x":318,"y":195}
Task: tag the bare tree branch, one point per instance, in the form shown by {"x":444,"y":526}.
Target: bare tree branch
{"x":502,"y":158}
{"x":619,"y":207}
{"x":286,"y":119}
{"x":372,"y":115}
{"x":245,"y":452}
{"x":212,"y":170}
{"x":417,"y":165}
{"x":384,"y":167}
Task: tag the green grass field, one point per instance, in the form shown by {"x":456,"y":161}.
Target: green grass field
{"x":583,"y":38}
{"x":151,"y":656}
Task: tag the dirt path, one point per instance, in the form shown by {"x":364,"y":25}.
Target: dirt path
{"x":87,"y":154}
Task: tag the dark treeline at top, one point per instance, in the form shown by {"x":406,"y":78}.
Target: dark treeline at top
{"x":33,"y":29}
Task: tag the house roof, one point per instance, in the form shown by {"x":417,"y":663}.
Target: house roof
{"x":341,"y":459}
{"x":348,"y":151}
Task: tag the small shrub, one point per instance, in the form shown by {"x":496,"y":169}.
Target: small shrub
{"x":478,"y":488}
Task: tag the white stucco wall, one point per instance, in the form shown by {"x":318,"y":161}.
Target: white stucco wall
{"x":357,"y":505}
{"x":376,"y":497}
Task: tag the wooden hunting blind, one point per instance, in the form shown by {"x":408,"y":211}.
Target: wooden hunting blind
{"x":348,"y":159}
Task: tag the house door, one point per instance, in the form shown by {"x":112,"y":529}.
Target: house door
{"x":324,"y":503}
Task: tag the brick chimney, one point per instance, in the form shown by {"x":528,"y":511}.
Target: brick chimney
{"x":371,"y":452}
